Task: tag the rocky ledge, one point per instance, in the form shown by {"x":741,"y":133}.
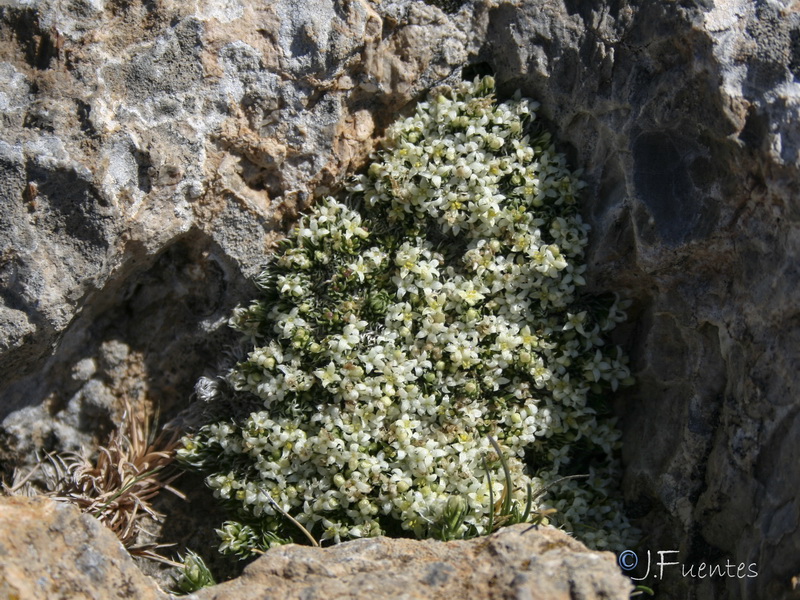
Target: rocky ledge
{"x":51,"y":550}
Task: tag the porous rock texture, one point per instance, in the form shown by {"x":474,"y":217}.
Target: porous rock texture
{"x":520,"y":561}
{"x":151,"y":151}
{"x":50,"y":550}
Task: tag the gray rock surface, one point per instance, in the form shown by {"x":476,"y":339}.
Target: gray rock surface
{"x":150,"y":152}
{"x":516,"y":562}
{"x":686,"y":121}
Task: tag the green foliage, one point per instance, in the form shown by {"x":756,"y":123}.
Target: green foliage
{"x":194,"y":575}
{"x":423,"y":348}
{"x":640,"y":590}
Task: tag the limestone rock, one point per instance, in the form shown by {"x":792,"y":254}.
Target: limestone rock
{"x":149,"y":153}
{"x":149,"y":156}
{"x":516,"y":562}
{"x":685,"y":118}
{"x":50,"y":550}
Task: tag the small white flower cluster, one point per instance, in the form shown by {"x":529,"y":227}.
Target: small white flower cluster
{"x":399,"y":330}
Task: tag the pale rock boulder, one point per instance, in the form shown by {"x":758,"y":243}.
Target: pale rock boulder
{"x":520,"y":562}
{"x":50,"y":550}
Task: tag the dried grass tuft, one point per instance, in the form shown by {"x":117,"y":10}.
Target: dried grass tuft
{"x":117,"y":487}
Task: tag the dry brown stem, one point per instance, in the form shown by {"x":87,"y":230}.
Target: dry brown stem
{"x":118,"y":485}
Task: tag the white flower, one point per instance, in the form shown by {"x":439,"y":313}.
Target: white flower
{"x":469,"y":294}
{"x":375,"y":256}
{"x":328,"y":375}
